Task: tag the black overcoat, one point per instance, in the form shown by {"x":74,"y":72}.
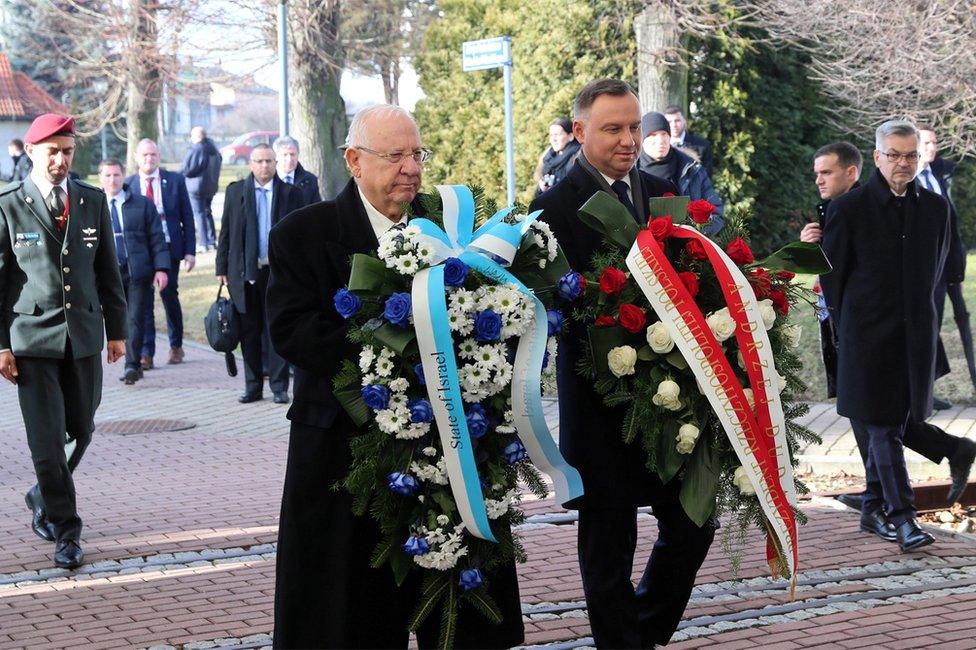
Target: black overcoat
{"x":880,"y":294}
{"x":308,"y":183}
{"x":614,"y":474}
{"x":326,"y":594}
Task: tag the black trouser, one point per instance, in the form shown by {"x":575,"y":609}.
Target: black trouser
{"x":203,"y":219}
{"x":174,"y":312}
{"x":886,"y":475}
{"x":619,"y":616}
{"x":138,"y":296}
{"x":58,"y":397}
{"x":255,"y":338}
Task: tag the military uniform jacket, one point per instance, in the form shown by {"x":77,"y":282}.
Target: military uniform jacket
{"x":56,"y":286}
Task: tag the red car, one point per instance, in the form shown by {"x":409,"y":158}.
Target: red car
{"x":238,"y":151}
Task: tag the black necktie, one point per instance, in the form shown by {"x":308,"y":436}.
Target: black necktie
{"x":622,"y":190}
{"x":57,"y":207}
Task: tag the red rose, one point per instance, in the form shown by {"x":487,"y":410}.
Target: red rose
{"x":816,"y":286}
{"x":631,"y":318}
{"x":740,"y":252}
{"x":780,"y":302}
{"x":661,"y":227}
{"x":690,"y":280}
{"x":696,"y":250}
{"x":700,"y":211}
{"x":786,"y":275}
{"x":605,"y":321}
{"x":668,"y":195}
{"x":582,"y":283}
{"x":612,"y":281}
{"x":761,"y":282}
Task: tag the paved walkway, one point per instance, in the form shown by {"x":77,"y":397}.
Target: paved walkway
{"x":180,"y":531}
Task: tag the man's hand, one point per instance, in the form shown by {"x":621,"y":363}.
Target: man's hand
{"x":811,"y":233}
{"x":160,"y":280}
{"x":222,"y":279}
{"x":115,"y":351}
{"x":8,"y":366}
{"x":189,"y":262}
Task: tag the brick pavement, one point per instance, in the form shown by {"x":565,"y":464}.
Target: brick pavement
{"x":180,"y":530}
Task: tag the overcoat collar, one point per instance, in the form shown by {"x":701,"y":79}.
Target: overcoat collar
{"x":355,"y":231}
{"x":878,"y":186}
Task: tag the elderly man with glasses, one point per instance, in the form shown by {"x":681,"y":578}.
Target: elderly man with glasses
{"x":327,"y":593}
{"x":887,"y":241}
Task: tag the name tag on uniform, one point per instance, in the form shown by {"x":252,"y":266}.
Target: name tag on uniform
{"x":27,"y":239}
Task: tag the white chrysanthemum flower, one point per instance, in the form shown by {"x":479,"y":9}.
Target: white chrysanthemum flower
{"x":384,"y":366}
{"x":399,"y":385}
{"x":411,"y":231}
{"x":468,"y":349}
{"x":436,"y":473}
{"x":369,"y":378}
{"x":487,"y":357}
{"x":443,"y":520}
{"x":505,"y":429}
{"x":407,"y":264}
{"x":460,"y":322}
{"x":445,"y":550}
{"x":430,"y":452}
{"x":391,"y":420}
{"x":503,"y":374}
{"x":472,"y":377}
{"x":414,"y":431}
{"x":398,"y":400}
{"x":425,"y":253}
{"x":462,"y":300}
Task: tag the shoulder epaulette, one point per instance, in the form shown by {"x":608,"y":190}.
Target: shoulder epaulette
{"x":12,"y":187}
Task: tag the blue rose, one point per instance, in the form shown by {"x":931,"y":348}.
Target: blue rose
{"x":416,"y":545}
{"x":397,"y":309}
{"x":487,"y":326}
{"x":545,"y":360}
{"x":477,"y":420}
{"x":402,"y":484}
{"x":419,"y":371}
{"x":470,"y":579}
{"x":515,"y":452}
{"x":376,"y":396}
{"x":555,"y":318}
{"x":420,"y":410}
{"x":571,"y":285}
{"x":455,"y":272}
{"x":346,"y":302}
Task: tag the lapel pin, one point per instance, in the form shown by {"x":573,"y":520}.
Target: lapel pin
{"x":81,"y":201}
{"x":28,"y":199}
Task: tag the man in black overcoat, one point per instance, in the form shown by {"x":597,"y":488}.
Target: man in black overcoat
{"x":607,"y":122}
{"x":251,"y":208}
{"x":291,"y":171}
{"x":326,"y":592}
{"x":887,"y":242}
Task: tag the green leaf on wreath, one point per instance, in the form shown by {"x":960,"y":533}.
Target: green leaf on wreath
{"x":401,"y":563}
{"x":449,"y":616}
{"x":699,"y":487}
{"x":645,"y":353}
{"x":606,"y":215}
{"x":445,"y":501}
{"x":631,"y":424}
{"x":383,"y":551}
{"x":676,"y":359}
{"x":669,"y":461}
{"x":351,"y":400}
{"x":484,"y":604}
{"x":371,"y":275}
{"x":798,"y":257}
{"x":435,"y":586}
{"x":675,"y":207}
{"x":395,"y":338}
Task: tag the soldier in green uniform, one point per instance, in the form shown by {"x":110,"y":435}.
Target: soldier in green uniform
{"x":60,"y":289}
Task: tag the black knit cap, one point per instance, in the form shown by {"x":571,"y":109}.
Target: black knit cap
{"x":652,"y":122}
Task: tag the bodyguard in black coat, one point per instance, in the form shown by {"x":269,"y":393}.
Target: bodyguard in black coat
{"x":292,"y":172}
{"x":326,"y":592}
{"x":615,"y":478}
{"x":887,"y":242}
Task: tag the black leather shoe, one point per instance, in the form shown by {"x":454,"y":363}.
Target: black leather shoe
{"x":131,"y":376}
{"x":281,"y":397}
{"x":941,"y":404}
{"x":854,"y":501}
{"x":911,"y":536}
{"x":68,"y":554}
{"x":959,"y":466}
{"x":39,"y":523}
{"x":247,"y":398}
{"x":875,"y":522}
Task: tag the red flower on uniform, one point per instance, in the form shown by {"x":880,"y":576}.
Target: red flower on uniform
{"x":700,"y":211}
{"x":661,"y":227}
{"x":631,"y":318}
{"x":668,"y":195}
{"x":780,"y":302}
{"x":785,"y":275}
{"x":605,"y":321}
{"x":690,"y":280}
{"x":740,"y":252}
{"x":696,"y":250}
{"x":761,"y":282}
{"x":612,"y":281}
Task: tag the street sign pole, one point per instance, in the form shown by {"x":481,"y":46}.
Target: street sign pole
{"x":485,"y":55}
{"x":283,"y":62}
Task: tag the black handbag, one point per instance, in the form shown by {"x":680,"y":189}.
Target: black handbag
{"x":221,"y":324}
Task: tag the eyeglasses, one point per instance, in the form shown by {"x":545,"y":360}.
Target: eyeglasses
{"x":420,"y":156}
{"x":894,"y":156}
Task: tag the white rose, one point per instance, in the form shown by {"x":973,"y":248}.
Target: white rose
{"x":721,"y":324}
{"x":687,"y":435}
{"x":667,"y":395}
{"x":659,"y":339}
{"x":791,"y":335}
{"x":768,"y":313}
{"x":622,"y":360}
{"x":742,"y":482}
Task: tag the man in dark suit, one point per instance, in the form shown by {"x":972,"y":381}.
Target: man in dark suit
{"x":327,"y":594}
{"x":616,"y":481}
{"x":201,"y":168}
{"x":251,"y":208}
{"x":142,"y":254}
{"x":887,"y":242}
{"x":166,"y":190}
{"x":694,"y":145}
{"x":60,"y":290}
{"x":292,"y":172}
{"x":22,"y":162}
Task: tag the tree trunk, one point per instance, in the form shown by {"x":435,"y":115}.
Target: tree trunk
{"x":318,"y":110}
{"x":144,"y":85}
{"x":391,"y":81}
{"x":662,"y":71}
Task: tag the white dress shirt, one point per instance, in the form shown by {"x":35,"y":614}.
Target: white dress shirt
{"x":46,"y":186}
{"x":157,"y":189}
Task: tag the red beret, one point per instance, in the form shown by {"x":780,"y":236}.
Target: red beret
{"x":49,"y":125}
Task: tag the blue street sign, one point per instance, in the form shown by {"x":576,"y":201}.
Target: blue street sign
{"x":486,"y":54}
